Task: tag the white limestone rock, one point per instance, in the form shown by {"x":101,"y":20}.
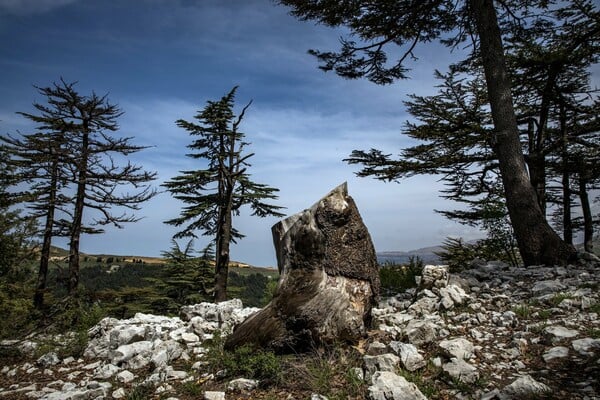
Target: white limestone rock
{"x":420,"y":332}
{"x":389,"y":386}
{"x":106,"y":371}
{"x":434,"y":276}
{"x":558,"y":333}
{"x":586,"y":346}
{"x":410,"y":357}
{"x":382,"y":362}
{"x":242,"y":385}
{"x":461,"y":370}
{"x":48,"y":359}
{"x":209,"y":395}
{"x":524,"y":387}
{"x":547,"y":287}
{"x":459,"y":348}
{"x":555,"y":352}
{"x":125,"y":377}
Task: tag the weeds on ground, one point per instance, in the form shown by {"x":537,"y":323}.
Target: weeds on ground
{"x":559,"y":297}
{"x":329,"y":371}
{"x":424,"y":379}
{"x":245,"y":361}
{"x":523,"y":311}
{"x":140,"y":392}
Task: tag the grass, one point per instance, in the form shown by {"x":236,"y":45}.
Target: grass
{"x":328,"y":371}
{"x":559,"y":297}
{"x":424,"y":380}
{"x":523,"y":311}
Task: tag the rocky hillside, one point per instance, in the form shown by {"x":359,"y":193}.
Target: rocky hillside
{"x":490,"y":332}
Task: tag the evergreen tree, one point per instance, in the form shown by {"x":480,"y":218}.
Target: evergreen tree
{"x":73,"y":152}
{"x":188,"y":279}
{"x":42,"y":159}
{"x":214,"y":194}
{"x":407,"y":23}
{"x":16,"y":232}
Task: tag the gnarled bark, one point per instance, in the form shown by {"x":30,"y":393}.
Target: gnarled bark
{"x":329,"y":280}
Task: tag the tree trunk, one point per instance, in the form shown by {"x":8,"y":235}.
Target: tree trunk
{"x":566,"y":181}
{"x":567,"y":221}
{"x":588,"y":227}
{"x":537,"y":175}
{"x":538,"y":243}
{"x":38,"y":297}
{"x":78,"y":214}
{"x":222,"y":255}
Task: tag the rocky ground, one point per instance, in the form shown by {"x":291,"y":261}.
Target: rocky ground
{"x":490,"y":332}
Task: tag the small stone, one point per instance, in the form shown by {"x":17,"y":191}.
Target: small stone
{"x":106,"y":371}
{"x":119,"y":393}
{"x":48,"y":360}
{"x":214,"y":395}
{"x":409,"y":355}
{"x":555,"y":352}
{"x":125,"y":376}
{"x":420,"y":332}
{"x":524,"y":387}
{"x":190,"y":337}
{"x":560,"y":332}
{"x":547,"y":287}
{"x":383,"y":362}
{"x":434,"y":276}
{"x":460,"y":348}
{"x":242,"y":385}
{"x":389,"y":386}
{"x":586,"y":346}
{"x":461,"y":370}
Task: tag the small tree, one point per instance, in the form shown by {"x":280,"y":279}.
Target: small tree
{"x":214,"y":194}
{"x":186,"y":278}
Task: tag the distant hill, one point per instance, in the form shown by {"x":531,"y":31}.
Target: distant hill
{"x":427,"y":254}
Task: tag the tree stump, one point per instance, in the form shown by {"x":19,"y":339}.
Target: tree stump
{"x":329,"y":280}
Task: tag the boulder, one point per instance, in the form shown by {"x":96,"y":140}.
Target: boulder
{"x":329,"y":280}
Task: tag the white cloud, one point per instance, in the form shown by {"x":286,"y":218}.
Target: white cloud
{"x":299,"y":151}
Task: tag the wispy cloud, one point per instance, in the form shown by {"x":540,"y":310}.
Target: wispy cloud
{"x":25,"y":7}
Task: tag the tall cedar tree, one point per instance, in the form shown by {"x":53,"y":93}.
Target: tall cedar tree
{"x":409,"y":22}
{"x":214,"y":194}
{"x":42,"y":159}
{"x":15,"y":230}
{"x":76,"y":130}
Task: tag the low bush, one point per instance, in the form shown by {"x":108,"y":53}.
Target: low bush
{"x":396,"y":278}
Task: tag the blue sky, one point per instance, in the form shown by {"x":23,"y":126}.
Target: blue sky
{"x":161,"y":60}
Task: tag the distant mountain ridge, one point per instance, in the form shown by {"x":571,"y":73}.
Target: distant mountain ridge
{"x":427,"y":254}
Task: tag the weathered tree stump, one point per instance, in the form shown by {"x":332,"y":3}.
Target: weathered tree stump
{"x":328,"y":283}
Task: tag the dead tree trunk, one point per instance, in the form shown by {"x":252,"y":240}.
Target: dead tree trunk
{"x":329,"y":280}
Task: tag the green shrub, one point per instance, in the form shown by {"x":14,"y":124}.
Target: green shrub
{"x":397,"y":278}
{"x":245,"y":361}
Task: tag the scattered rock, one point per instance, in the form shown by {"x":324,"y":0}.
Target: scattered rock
{"x":242,"y":385}
{"x":409,"y":355}
{"x":524,"y":387}
{"x":459,"y":348}
{"x":461,"y":370}
{"x":214,"y":395}
{"x":389,"y":386}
